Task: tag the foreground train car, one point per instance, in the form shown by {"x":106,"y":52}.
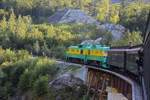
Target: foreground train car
{"x":126,"y":59}
{"x":88,"y":54}
{"x":146,"y":66}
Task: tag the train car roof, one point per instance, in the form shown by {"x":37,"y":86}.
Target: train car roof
{"x":96,"y":47}
{"x":126,"y":49}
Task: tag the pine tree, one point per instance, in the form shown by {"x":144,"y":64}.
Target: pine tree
{"x":68,"y":4}
{"x":3,"y":25}
{"x":81,"y":4}
{"x":36,"y":47}
{"x":103,"y":10}
{"x":12,"y":22}
{"x":123,"y":3}
{"x":113,"y":16}
{"x":21,"y":29}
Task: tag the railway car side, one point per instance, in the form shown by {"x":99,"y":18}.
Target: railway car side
{"x":125,"y":59}
{"x":116,"y":58}
{"x":132,"y":59}
{"x":76,"y":53}
{"x":98,"y":54}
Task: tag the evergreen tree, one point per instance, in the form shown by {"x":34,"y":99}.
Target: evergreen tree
{"x":103,"y":10}
{"x":67,"y":4}
{"x":12,"y":22}
{"x":113,"y":16}
{"x":123,"y":3}
{"x":36,"y":48}
{"x":3,"y":25}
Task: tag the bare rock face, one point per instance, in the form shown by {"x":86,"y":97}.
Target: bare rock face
{"x":70,"y":15}
{"x":66,"y":81}
{"x":78,"y":16}
{"x":67,"y":88}
{"x":116,"y":30}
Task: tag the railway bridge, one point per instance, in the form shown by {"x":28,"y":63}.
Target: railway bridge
{"x":103,"y":84}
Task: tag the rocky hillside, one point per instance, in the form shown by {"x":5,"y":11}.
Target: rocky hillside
{"x":70,"y":15}
{"x":78,"y":16}
{"x":116,"y":30}
{"x":69,"y":83}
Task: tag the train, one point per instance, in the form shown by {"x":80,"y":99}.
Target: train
{"x":125,"y":59}
{"x":132,"y":59}
{"x":87,"y":54}
{"x":128,"y":59}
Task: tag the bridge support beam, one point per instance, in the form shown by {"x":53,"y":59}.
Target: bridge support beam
{"x":99,"y":82}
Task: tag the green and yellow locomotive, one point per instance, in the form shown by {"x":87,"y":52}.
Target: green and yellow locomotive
{"x":88,"y":54}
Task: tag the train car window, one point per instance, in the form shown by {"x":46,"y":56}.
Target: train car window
{"x":96,"y":51}
{"x":92,"y":51}
{"x":105,"y":51}
{"x":81,"y":51}
{"x":101,"y":51}
{"x":72,"y":50}
{"x":88,"y":52}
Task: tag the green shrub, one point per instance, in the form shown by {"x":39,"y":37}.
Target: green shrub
{"x":24,"y":80}
{"x":3,"y":93}
{"x":17,"y":70}
{"x":22,"y":55}
{"x":59,"y":52}
{"x":35,"y":73}
{"x":40,"y":86}
{"x":42,"y":67}
{"x":46,"y":66}
{"x":7,"y":56}
{"x":1,"y":73}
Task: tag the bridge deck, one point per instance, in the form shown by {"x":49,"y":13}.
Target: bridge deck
{"x":136,"y":88}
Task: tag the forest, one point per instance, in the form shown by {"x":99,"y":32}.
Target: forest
{"x":21,"y":26}
{"x":125,"y":13}
{"x":24,"y":34}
